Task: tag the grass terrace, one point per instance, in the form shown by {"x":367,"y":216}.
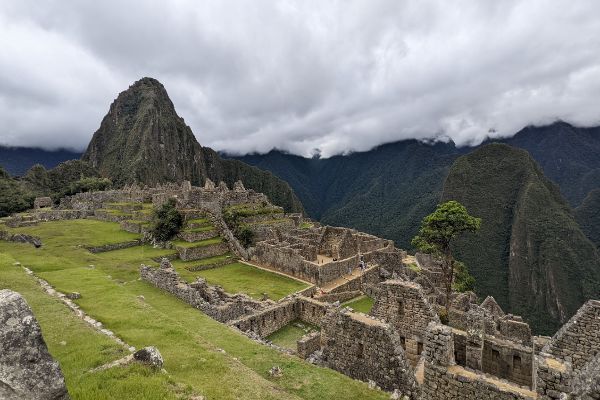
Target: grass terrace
{"x":288,"y":335}
{"x":206,"y":242}
{"x":180,"y":264}
{"x":243,"y":278}
{"x":361,"y":304}
{"x":202,"y":356}
{"x":198,"y":221}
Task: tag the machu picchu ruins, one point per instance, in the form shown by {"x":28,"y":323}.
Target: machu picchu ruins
{"x":403,"y":345}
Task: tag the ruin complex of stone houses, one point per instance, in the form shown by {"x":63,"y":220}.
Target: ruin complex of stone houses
{"x":401,"y":345}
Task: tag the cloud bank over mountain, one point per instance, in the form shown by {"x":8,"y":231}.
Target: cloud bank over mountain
{"x":297,"y":75}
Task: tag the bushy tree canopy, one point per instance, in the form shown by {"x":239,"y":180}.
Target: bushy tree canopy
{"x":166,"y":222}
{"x":437,"y":232}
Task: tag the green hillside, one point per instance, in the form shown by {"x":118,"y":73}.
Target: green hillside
{"x":530,"y":253}
{"x":588,"y":216}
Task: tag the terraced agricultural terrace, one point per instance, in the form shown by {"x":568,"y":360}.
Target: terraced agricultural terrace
{"x":287,"y":315}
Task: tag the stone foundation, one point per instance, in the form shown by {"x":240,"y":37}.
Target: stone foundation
{"x":366,"y":349}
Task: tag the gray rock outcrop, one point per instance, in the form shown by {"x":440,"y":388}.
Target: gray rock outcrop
{"x":27,"y":370}
{"x":150,"y":356}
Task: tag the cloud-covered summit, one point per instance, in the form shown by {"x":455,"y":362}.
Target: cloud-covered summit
{"x":299,"y":75}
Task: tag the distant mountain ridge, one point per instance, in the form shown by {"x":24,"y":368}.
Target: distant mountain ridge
{"x":18,"y":160}
{"x":402,"y":181}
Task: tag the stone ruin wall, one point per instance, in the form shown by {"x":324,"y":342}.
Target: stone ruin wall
{"x":308,"y":344}
{"x":287,"y":260}
{"x":586,"y":382}
{"x":578,"y":341}
{"x":443,"y":379}
{"x":552,"y":377}
{"x":403,"y":305}
{"x":212,"y":300}
{"x":367,"y":349}
{"x":270,"y":320}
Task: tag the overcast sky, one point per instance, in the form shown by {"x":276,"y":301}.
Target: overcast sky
{"x":298,"y":75}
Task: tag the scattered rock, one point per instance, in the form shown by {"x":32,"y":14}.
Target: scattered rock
{"x":141,"y":297}
{"x":27,"y":370}
{"x":276,"y":372}
{"x":17,"y":264}
{"x":63,"y":343}
{"x":150,"y":356}
{"x":73,"y":295}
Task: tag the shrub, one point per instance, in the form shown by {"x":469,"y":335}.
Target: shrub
{"x":463,"y":280}
{"x":166,"y":222}
{"x":244,"y":235}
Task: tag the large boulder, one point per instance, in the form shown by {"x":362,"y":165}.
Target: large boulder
{"x":27,"y":370}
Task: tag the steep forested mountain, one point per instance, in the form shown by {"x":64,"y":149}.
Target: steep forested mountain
{"x":18,"y":160}
{"x":530,"y":253}
{"x":588,"y":216}
{"x":389,"y":189}
{"x":386,"y":191}
{"x":142,"y":139}
{"x":568,"y":155}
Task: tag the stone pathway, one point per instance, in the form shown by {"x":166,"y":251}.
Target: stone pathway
{"x":97,"y":325}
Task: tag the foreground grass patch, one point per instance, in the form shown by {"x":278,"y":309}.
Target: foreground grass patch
{"x":79,"y":348}
{"x":201,"y":355}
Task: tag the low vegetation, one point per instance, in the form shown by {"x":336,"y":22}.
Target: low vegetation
{"x":166,"y":222}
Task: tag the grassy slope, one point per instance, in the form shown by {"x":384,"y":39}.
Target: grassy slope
{"x":188,"y":340}
{"x":80,"y":348}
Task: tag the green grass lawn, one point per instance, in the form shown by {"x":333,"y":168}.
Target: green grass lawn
{"x":205,"y":242}
{"x":243,"y":278}
{"x":289,"y":334}
{"x":198,"y":221}
{"x":79,"y":348}
{"x":200,"y":229}
{"x":189,"y":341}
{"x":182,"y":265}
{"x":361,"y":304}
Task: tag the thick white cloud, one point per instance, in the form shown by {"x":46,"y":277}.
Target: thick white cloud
{"x":298,"y":75}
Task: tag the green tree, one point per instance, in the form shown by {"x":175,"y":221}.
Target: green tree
{"x":166,"y":222}
{"x":438,"y":230}
{"x":13,"y":198}
{"x":89,"y":185}
{"x":245,"y":235}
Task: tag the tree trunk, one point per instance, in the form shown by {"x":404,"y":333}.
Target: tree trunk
{"x":448,"y":276}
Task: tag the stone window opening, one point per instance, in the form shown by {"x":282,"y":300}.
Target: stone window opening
{"x":360,"y":350}
{"x":495,"y":355}
{"x":403,"y":342}
{"x":516,"y":362}
{"x":401,"y":308}
{"x":419,"y":348}
{"x":313,"y":311}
